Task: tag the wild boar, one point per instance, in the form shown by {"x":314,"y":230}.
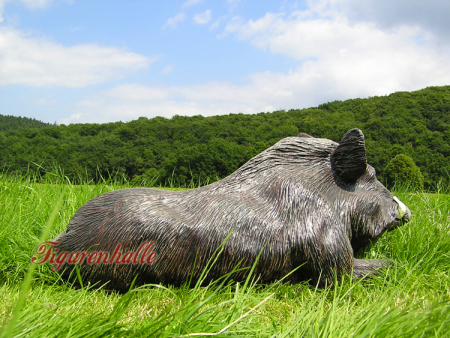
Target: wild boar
{"x":305,"y":202}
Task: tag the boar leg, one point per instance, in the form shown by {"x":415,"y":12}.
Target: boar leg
{"x":364,"y":267}
{"x":332,"y":255}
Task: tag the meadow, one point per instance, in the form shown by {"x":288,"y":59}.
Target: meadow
{"x":411,"y":298}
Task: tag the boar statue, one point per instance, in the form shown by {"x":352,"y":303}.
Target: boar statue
{"x":305,"y":204}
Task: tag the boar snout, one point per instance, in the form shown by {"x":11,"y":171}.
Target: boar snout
{"x":403,"y":212}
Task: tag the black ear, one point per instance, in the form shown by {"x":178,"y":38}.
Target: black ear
{"x":349,"y":159}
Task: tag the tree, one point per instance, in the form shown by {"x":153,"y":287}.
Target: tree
{"x":402,"y":170}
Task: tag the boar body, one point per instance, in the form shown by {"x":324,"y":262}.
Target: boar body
{"x":305,"y":202}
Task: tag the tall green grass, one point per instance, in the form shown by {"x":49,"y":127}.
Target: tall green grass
{"x":409,"y":299}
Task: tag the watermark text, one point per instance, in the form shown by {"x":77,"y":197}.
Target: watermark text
{"x":47,"y":252}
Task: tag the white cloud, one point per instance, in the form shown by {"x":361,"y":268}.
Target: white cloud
{"x":74,"y":118}
{"x":39,"y":62}
{"x":31,"y":4}
{"x":339,"y":57}
{"x":130,"y":101}
{"x":346,"y":59}
{"x":2,"y":5}
{"x":98,"y":112}
{"x":168,"y":69}
{"x":233,"y":4}
{"x":189,"y":3}
{"x":216,"y":23}
{"x":35,"y":4}
{"x":203,"y":18}
{"x":309,"y":85}
{"x":317,"y":38}
{"x":174,"y":21}
{"x":430,"y":15}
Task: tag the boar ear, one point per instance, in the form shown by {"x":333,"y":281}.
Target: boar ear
{"x":349,"y":159}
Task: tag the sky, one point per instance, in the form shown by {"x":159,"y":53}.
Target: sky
{"x":97,"y":61}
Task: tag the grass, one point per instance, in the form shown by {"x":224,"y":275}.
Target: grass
{"x":410,"y":299}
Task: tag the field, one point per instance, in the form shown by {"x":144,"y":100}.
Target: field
{"x":409,"y":299}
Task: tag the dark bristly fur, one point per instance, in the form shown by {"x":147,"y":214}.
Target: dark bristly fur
{"x":313,"y":201}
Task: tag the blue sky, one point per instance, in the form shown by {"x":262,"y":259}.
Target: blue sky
{"x":79,"y":61}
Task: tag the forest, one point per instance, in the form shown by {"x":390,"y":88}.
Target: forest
{"x":183,"y":150}
{"x":8,"y":122}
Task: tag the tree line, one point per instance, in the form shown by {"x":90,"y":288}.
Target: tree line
{"x":185,"y":150}
{"x":8,"y":122}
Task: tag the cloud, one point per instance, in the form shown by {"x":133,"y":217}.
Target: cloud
{"x":33,"y":61}
{"x":2,"y":5}
{"x":189,"y":3}
{"x":307,"y":86}
{"x":168,"y":69}
{"x":338,"y":57}
{"x":203,"y":18}
{"x":36,"y":4}
{"x":174,"y":21}
{"x":216,"y":23}
{"x":130,"y":101}
{"x":100,"y":112}
{"x":430,"y":15}
{"x":30,"y":4}
{"x":343,"y":58}
{"x":74,"y":118}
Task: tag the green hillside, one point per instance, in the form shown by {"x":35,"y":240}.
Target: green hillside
{"x":8,"y":122}
{"x":184,"y":148}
